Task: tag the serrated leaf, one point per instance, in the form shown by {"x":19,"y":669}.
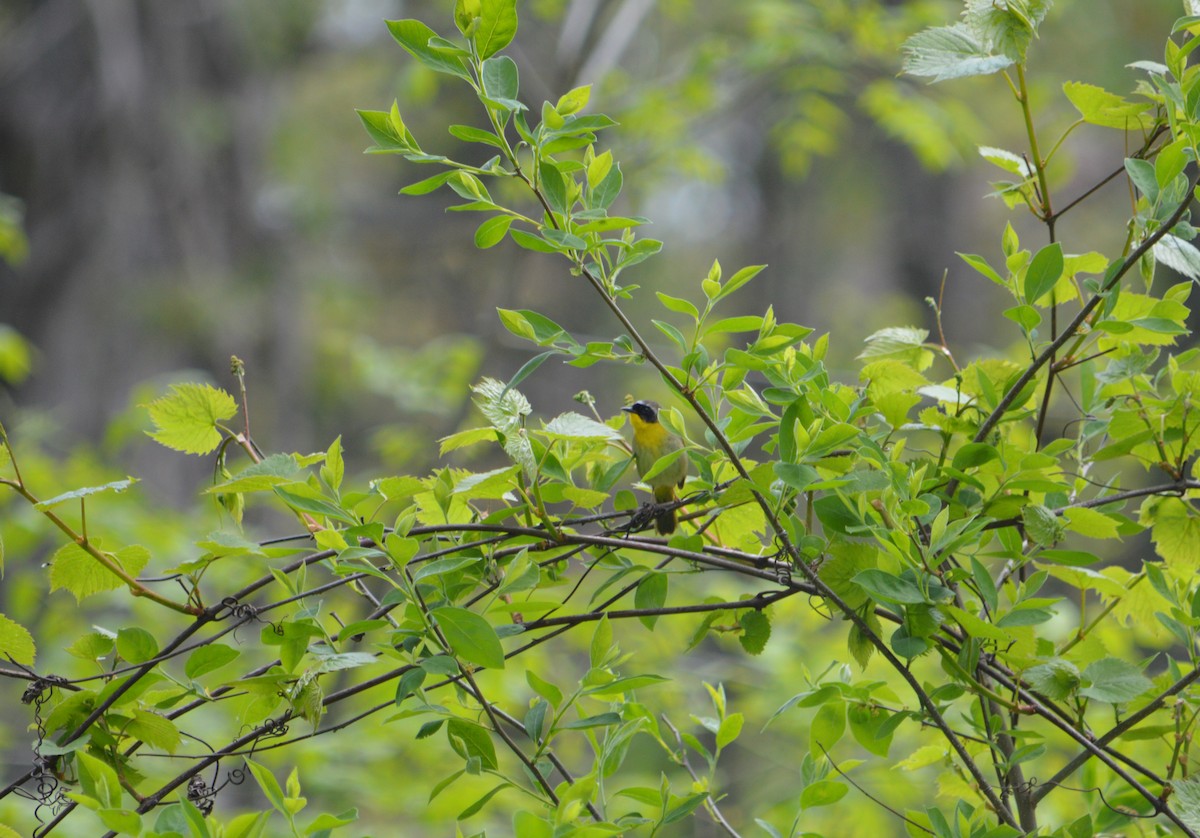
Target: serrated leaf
{"x":16,"y":642}
{"x":1176,"y":535}
{"x":1114,"y":680}
{"x":1178,"y":255}
{"x":74,"y":569}
{"x":950,"y":52}
{"x":1006,"y":160}
{"x":1042,"y":525}
{"x":186,"y":419}
{"x":1055,"y":679}
{"x":756,"y":631}
{"x":153,"y":729}
{"x":578,"y":426}
{"x":1099,"y":107}
{"x":1090,"y":523}
{"x":262,"y":476}
{"x":116,"y":486}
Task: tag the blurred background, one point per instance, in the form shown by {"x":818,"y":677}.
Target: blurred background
{"x":184,"y":181}
{"x":192,"y":186}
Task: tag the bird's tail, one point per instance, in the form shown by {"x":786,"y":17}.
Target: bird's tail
{"x":664,"y":519}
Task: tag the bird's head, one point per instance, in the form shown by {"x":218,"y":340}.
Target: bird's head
{"x":647,"y":412}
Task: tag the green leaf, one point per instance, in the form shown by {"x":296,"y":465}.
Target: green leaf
{"x":621,"y":686}
{"x":884,"y":587}
{"x":1142,"y":174}
{"x":974,"y":454}
{"x":1176,"y":535}
{"x":483,"y":801}
{"x":799,"y":477}
{"x":1055,"y":679}
{"x":466,"y":133}
{"x":950,"y":52}
{"x":577,"y":426}
{"x":1025,"y":316}
{"x":1090,"y":523}
{"x":121,"y":821}
{"x":115,"y":486}
{"x":1099,"y":107}
{"x":1043,"y":272}
{"x":756,"y":631}
{"x":470,"y":636}
{"x":531,"y":242}
{"x":651,"y":593}
{"x":155,"y":730}
{"x":497,"y":26}
{"x":16,"y":642}
{"x":828,"y":726}
{"x":500,"y":78}
{"x":599,"y":720}
{"x":409,"y":683}
{"x":76,"y":570}
{"x":492,"y":231}
{"x":136,"y":645}
{"x":444,"y":566}
{"x":303,"y":498}
{"x":822,"y":793}
{"x":414,"y":36}
{"x":730,"y":729}
{"x":678,"y":305}
{"x":262,"y":476}
{"x":269,"y":785}
{"x":208,"y":658}
{"x":186,"y":419}
{"x":1114,"y":680}
{"x":554,"y":185}
{"x":573,"y":101}
{"x":1006,"y":160}
{"x":98,"y":780}
{"x":1042,"y":525}
{"x":1178,"y":255}
{"x":602,"y":643}
{"x":471,"y":740}
{"x":981,"y":265}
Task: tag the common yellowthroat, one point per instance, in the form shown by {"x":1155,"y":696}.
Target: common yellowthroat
{"x":651,"y":442}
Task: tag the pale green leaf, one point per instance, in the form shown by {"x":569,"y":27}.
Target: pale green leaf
{"x":186,"y":418}
{"x":16,"y":642}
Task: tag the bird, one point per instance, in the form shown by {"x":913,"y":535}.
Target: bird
{"x":651,"y":442}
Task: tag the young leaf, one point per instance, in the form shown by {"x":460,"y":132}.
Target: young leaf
{"x":950,"y":52}
{"x":186,"y":418}
{"x":16,"y":643}
{"x":414,"y":36}
{"x":1114,"y":680}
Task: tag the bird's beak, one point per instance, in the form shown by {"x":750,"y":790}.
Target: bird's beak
{"x":627,"y":409}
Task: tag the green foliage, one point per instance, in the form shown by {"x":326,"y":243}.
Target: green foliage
{"x":930,"y":510}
